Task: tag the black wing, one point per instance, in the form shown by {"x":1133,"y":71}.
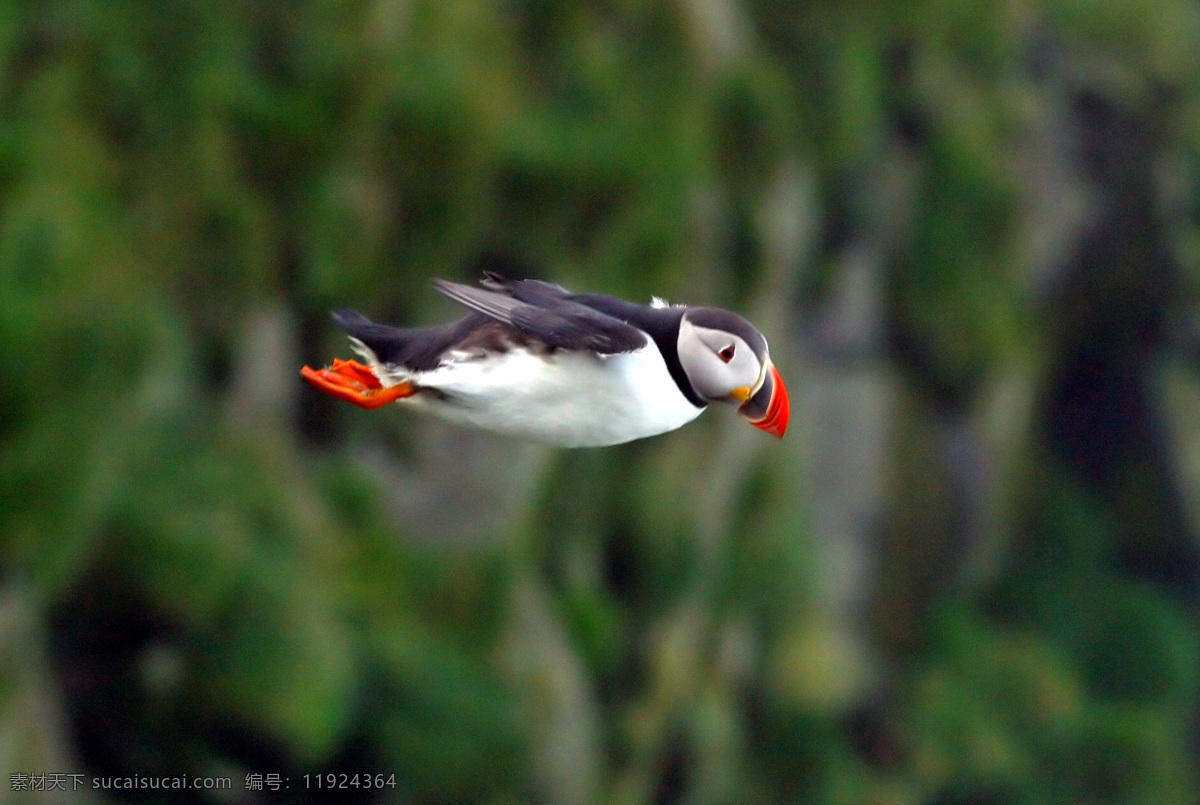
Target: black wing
{"x":547,"y":313}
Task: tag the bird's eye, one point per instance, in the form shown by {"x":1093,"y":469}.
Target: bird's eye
{"x":726,"y":354}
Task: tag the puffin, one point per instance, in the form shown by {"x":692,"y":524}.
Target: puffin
{"x":535,"y":361}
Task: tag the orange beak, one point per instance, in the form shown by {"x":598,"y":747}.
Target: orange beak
{"x":768,"y":408}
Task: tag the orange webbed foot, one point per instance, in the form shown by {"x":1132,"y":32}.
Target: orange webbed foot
{"x":355,"y":383}
{"x":352,"y":368}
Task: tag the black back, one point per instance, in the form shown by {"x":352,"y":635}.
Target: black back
{"x":660,"y":323}
{"x":417,"y":348}
{"x":548,"y":313}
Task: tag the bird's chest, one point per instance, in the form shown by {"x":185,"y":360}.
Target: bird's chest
{"x":571,"y":399}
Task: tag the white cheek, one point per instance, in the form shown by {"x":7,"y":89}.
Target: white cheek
{"x":714,"y":376}
{"x":746,"y":372}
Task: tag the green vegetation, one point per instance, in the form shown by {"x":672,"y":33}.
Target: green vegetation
{"x":971,"y":231}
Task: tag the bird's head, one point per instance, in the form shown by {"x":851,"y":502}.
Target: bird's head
{"x":726,"y":360}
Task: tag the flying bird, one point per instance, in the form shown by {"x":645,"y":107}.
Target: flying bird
{"x":534,"y":360}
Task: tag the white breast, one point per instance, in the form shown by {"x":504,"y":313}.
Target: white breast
{"x":570,"y":399}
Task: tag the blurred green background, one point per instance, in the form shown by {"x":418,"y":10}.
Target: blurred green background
{"x":969,"y":574}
